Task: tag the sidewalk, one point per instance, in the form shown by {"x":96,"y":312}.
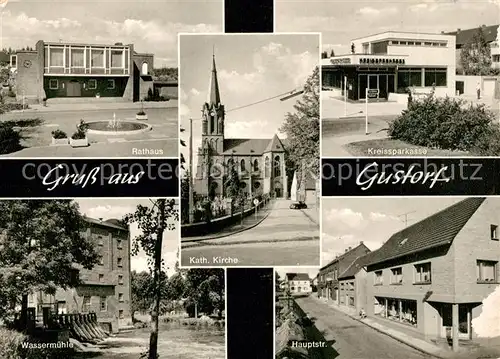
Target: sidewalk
{"x":312,"y":213}
{"x":96,"y":106}
{"x":407,"y":338}
{"x":249,"y":222}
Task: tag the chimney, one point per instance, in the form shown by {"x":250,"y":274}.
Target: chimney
{"x":360,"y":242}
{"x":458,"y":30}
{"x":483,"y":25}
{"x":350,"y":248}
{"x":100,"y":219}
{"x":346,"y":250}
{"x":442,"y":32}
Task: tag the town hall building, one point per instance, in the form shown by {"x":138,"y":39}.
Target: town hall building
{"x":260,"y":163}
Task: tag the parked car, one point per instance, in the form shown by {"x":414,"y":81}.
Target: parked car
{"x":298,"y":205}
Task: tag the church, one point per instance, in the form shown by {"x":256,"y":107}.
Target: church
{"x":260,"y":163}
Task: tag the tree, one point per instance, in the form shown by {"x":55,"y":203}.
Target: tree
{"x":233,"y":183}
{"x":142,"y":291}
{"x":204,"y":291}
{"x":41,"y":249}
{"x":332,"y":53}
{"x":302,"y":128}
{"x":476,"y":55}
{"x":152,"y":222}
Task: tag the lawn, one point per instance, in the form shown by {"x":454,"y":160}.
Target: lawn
{"x":397,"y":148}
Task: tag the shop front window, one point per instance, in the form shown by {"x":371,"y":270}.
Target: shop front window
{"x":435,"y":77}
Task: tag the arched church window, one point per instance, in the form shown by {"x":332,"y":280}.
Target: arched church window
{"x":230,"y":164}
{"x":256,"y":165}
{"x":266,"y":167}
{"x":277,"y":166}
{"x":212,"y":124}
{"x":242,"y":165}
{"x":144,"y":69}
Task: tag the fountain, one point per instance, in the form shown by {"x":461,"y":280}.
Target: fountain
{"x":115,"y":126}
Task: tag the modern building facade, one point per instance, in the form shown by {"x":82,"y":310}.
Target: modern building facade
{"x":260,"y":163}
{"x":106,"y":288}
{"x":298,"y":283}
{"x":392,"y":63}
{"x":328,"y":276}
{"x":434,"y":275}
{"x":82,"y":70}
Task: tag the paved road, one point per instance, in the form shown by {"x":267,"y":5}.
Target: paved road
{"x":285,"y":237}
{"x":352,"y":339}
{"x":161,"y":141}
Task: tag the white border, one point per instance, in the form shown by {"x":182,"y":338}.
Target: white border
{"x":225,"y":303}
{"x":179,"y":66}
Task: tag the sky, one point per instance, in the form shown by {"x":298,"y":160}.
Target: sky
{"x":340,"y":21}
{"x":348,"y":221}
{"x":282,"y":271}
{"x":151,"y":25}
{"x":250,"y":68}
{"x":117,"y":208}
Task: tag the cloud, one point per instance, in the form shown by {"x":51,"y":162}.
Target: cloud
{"x":194,"y":92}
{"x":303,"y":23}
{"x":108,"y":212}
{"x":378,"y":217}
{"x":152,"y":36}
{"x":345,"y":216}
{"x":370,"y":11}
{"x":251,"y":128}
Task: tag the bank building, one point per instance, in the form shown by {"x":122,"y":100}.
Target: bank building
{"x":391,"y":63}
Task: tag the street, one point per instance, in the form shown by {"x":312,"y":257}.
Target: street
{"x":162,"y":140}
{"x":285,"y":237}
{"x":352,"y":339}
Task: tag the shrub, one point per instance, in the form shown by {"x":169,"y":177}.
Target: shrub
{"x":81,"y":131}
{"x":141,"y":113}
{"x":10,"y":139}
{"x":10,"y":344}
{"x":11,"y":106}
{"x":444,"y":123}
{"x":59,"y":134}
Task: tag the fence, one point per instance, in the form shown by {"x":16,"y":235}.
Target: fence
{"x":209,"y":226}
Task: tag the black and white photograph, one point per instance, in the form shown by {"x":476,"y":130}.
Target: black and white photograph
{"x":401,"y":278}
{"x":94,"y":79}
{"x":250,"y":149}
{"x":407,"y":78}
{"x":100,"y":278}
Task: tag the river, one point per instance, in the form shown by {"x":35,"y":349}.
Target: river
{"x":174,"y":342}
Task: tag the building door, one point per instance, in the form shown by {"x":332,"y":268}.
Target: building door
{"x":373,"y":82}
{"x":464,"y":321}
{"x":74,"y":89}
{"x":383,"y":91}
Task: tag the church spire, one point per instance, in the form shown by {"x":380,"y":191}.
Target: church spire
{"x":213,"y":89}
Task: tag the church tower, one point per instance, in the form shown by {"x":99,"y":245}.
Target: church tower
{"x":213,"y":116}
{"x":212,"y":140}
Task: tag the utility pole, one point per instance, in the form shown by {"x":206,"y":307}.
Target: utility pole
{"x":153,"y":340}
{"x":191,"y":199}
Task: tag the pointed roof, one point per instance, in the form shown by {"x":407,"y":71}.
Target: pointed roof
{"x":213,"y":87}
{"x":275,"y":145}
{"x":437,"y":230}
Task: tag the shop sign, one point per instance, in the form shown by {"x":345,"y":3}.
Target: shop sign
{"x":344,"y":60}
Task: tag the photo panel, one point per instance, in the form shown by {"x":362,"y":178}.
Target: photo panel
{"x":414,"y":276}
{"x":250,"y":185}
{"x":95,"y":80}
{"x":425,"y":85}
{"x":94,"y":271}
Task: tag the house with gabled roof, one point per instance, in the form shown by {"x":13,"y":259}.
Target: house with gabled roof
{"x":298,"y":283}
{"x":328,"y":276}
{"x":434,"y":274}
{"x":352,"y":284}
{"x":259,"y":162}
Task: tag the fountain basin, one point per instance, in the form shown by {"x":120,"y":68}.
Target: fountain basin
{"x":120,"y":128}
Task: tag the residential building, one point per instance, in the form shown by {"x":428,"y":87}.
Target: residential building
{"x":328,"y":276}
{"x":463,"y":37}
{"x":391,"y":63}
{"x":352,"y":285}
{"x":260,"y":163}
{"x":434,"y":274}
{"x":106,"y":288}
{"x":298,"y":283}
{"x":57,"y":69}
